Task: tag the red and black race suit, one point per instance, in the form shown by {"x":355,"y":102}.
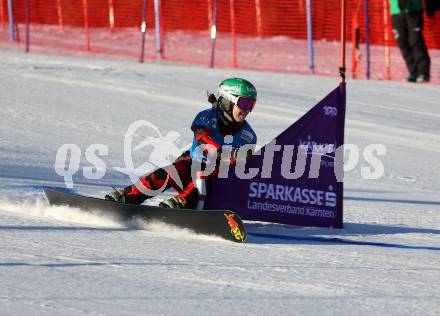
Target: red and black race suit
{"x":155,"y":180}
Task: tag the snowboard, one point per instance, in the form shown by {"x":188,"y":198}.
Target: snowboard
{"x":222,"y":223}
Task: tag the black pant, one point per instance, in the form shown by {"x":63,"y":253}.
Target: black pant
{"x":163,"y":177}
{"x":408,"y":32}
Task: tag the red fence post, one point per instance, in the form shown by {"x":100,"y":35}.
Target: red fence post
{"x":2,"y":14}
{"x":111,"y":15}
{"x":233,"y":34}
{"x":60,"y":13}
{"x":355,"y":39}
{"x":258,"y":17}
{"x":86,"y":24}
{"x":386,"y":22}
{"x":17,"y":29}
{"x":209,"y":14}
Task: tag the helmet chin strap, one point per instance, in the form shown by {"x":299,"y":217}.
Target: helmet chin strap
{"x":227,"y":123}
{"x":227,"y":111}
{"x":225,"y":116}
{"x":230,"y":117}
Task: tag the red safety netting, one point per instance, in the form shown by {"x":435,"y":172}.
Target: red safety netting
{"x":251,"y":34}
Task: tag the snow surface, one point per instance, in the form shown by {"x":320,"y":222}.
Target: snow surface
{"x":56,"y":260}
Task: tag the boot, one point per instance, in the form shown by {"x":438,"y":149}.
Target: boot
{"x":117,"y":195}
{"x":411,"y":78}
{"x":422,"y":78}
{"x":173,"y":202}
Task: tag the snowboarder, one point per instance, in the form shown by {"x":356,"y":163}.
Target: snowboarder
{"x":235,"y":99}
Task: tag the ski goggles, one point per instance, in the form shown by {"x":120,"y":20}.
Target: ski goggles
{"x":244,"y":103}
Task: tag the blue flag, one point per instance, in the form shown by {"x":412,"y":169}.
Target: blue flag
{"x":295,"y":179}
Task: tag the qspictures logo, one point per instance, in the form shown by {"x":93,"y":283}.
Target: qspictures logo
{"x":164,"y":149}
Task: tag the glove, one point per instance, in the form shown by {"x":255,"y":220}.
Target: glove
{"x":241,"y":155}
{"x":117,"y":195}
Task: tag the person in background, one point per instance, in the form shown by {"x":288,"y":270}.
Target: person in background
{"x":407,"y":23}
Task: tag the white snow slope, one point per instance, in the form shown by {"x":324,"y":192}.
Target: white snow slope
{"x":61,"y":261}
